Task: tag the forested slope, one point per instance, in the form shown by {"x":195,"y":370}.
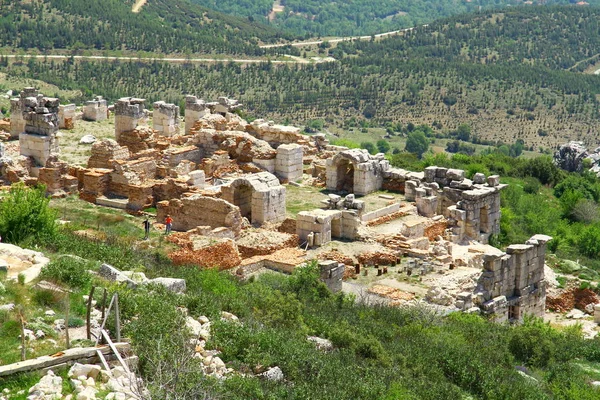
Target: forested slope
{"x":357,"y":17}
{"x":163,"y":26}
{"x":556,"y":37}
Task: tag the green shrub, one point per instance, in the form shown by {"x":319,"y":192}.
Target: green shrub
{"x":533,"y":343}
{"x":69,"y":271}
{"x":75,"y":322}
{"x":24,"y":213}
{"x":46,"y":298}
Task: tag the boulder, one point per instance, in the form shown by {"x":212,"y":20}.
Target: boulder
{"x":173,"y":284}
{"x":570,"y":156}
{"x":112,"y":274}
{"x":320,"y":343}
{"x":88,"y":139}
{"x":273,"y":374}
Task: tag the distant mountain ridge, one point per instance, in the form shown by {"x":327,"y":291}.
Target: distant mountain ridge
{"x":162,"y":26}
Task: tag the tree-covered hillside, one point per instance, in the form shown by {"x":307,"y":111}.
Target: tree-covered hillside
{"x":357,"y":17}
{"x":556,"y":37}
{"x":163,"y":26}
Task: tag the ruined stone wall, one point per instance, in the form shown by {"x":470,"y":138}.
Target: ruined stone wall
{"x":106,"y":150}
{"x":240,"y":145}
{"x":288,"y":162}
{"x":260,"y":196}
{"x":165,"y":118}
{"x":356,"y":171}
{"x":129,"y":112}
{"x":197,"y":210}
{"x":194,"y":110}
{"x":318,"y":227}
{"x":512,"y":284}
{"x":332,"y":274}
{"x":275,"y":135}
{"x":95,"y":110}
{"x":66,"y":116}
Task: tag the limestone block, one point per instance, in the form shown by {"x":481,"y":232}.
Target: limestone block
{"x":493,"y":180}
{"x":479,"y":178}
{"x":455,"y":174}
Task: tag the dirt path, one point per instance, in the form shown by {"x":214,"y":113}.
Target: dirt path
{"x":293,"y":60}
{"x":138,"y":6}
{"x":344,"y":39}
{"x":277,"y":8}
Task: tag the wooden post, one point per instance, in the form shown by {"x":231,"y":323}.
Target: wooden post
{"x":68,"y":342}
{"x":103,"y":303}
{"x":89,"y":313}
{"x":117,"y":318}
{"x":22,"y":323}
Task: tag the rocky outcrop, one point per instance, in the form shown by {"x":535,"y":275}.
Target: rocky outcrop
{"x":570,"y":156}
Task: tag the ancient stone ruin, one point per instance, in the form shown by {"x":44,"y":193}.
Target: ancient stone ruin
{"x":165,"y":118}
{"x":66,"y":116}
{"x":39,"y":137}
{"x":129,"y":112}
{"x":223,"y":182}
{"x":95,"y":110}
{"x":512,"y":284}
{"x":17,"y":106}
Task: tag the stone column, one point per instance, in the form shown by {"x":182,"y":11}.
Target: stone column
{"x":288,"y":162}
{"x":17,"y":121}
{"x":128,"y":113}
{"x":39,"y":140}
{"x":95,"y":110}
{"x":66,"y":116}
{"x":194,"y":110}
{"x":165,"y":118}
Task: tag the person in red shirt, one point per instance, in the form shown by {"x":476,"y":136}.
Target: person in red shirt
{"x":168,"y":224}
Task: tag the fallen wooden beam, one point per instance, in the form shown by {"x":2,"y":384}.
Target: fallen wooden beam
{"x":70,"y":355}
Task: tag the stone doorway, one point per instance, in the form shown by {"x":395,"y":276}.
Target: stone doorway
{"x":484,"y":220}
{"x":242,"y":197}
{"x":345,"y":176}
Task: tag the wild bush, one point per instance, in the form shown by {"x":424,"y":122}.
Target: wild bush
{"x":24,"y":213}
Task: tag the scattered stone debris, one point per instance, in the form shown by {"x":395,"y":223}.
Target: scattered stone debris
{"x":574,"y":298}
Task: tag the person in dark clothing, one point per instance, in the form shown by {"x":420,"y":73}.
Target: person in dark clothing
{"x":147,"y":228}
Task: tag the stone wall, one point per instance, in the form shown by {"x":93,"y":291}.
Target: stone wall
{"x":332,"y":274}
{"x":129,"y":112}
{"x":106,"y":150}
{"x":288,"y":162}
{"x":197,"y":210}
{"x":260,"y":197}
{"x":165,"y":118}
{"x":95,"y":110}
{"x":318,"y":227}
{"x":356,"y":171}
{"x":512,"y":284}
{"x":66,"y":116}
{"x":275,"y":135}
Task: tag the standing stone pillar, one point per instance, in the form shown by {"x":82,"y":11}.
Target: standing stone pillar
{"x":128,"y":113}
{"x":288,"y":162}
{"x":194,"y":110}
{"x":39,"y":140}
{"x":17,"y":121}
{"x":95,"y":110}
{"x":66,"y":116}
{"x":165,"y":118}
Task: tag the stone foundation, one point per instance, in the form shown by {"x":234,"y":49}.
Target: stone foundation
{"x":318,"y":227}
